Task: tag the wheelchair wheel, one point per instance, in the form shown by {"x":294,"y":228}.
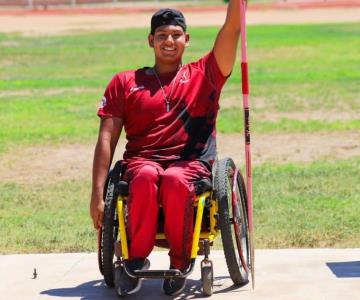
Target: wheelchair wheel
{"x":232,"y":203}
{"x":109,"y":233}
{"x":207,"y":278}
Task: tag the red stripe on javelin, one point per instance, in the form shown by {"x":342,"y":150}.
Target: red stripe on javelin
{"x":245,"y":78}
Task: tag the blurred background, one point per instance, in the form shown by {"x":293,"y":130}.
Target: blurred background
{"x":57,"y":56}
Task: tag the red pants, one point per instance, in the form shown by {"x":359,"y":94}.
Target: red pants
{"x":171,"y":185}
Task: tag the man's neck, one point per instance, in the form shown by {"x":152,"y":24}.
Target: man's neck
{"x":166,"y":68}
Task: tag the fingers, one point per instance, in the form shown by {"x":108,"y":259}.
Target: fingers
{"x":100,"y":221}
{"x":95,"y":221}
{"x":96,"y":212}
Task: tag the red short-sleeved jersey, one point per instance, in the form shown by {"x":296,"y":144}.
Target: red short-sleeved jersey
{"x":187,"y":131}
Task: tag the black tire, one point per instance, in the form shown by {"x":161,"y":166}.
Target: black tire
{"x":100,"y":251}
{"x":101,"y":233}
{"x":233,"y":220}
{"x":110,"y":228}
{"x":207,"y":277}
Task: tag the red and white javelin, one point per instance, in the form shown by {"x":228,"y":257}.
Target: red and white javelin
{"x":246,"y":107}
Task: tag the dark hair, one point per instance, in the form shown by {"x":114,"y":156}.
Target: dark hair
{"x":167,"y":16}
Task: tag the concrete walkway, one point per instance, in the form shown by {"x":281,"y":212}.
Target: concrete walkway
{"x":280,"y":274}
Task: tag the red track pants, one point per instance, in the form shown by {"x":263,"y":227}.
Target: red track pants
{"x":171,"y":185}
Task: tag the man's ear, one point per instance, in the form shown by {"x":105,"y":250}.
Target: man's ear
{"x":151,"y":40}
{"x":187,"y":40}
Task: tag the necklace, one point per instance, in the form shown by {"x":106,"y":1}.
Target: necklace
{"x":166,"y":98}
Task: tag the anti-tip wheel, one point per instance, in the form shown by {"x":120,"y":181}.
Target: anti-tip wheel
{"x":117,"y":278}
{"x":207,"y":278}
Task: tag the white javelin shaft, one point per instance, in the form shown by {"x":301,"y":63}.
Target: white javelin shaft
{"x":246,"y":106}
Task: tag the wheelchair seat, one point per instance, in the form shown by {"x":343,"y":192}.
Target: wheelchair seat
{"x":200,"y":186}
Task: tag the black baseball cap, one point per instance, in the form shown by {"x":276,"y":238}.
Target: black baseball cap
{"x":167,"y":16}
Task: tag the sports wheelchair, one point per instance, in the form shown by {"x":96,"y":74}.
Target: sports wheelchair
{"x":220,"y":207}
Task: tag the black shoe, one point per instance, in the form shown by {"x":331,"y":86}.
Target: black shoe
{"x":173,"y":286}
{"x":126,"y":285}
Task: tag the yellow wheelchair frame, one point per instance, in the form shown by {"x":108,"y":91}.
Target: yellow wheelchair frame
{"x":199,"y":203}
{"x":223,"y":199}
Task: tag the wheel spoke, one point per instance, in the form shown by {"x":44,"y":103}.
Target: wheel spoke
{"x":239,"y":225}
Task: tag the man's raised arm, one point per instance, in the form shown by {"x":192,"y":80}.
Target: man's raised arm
{"x":227,"y":38}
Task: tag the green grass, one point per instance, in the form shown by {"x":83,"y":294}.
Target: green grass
{"x":229,"y":121}
{"x":50,"y":86}
{"x":295,"y":205}
{"x":316,"y":205}
{"x":59,"y":118}
{"x":45,"y":218}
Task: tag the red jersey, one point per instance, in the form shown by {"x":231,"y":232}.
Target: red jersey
{"x":183,"y":131}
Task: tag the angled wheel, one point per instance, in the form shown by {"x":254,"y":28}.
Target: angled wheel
{"x":207,"y":278}
{"x":117,"y":277}
{"x":110,"y":228}
{"x":231,"y":197}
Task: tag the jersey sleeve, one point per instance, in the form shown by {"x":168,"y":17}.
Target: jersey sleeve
{"x":112,"y":103}
{"x":210,"y":67}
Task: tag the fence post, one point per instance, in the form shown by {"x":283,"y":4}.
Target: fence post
{"x":73,"y":2}
{"x":30,"y":4}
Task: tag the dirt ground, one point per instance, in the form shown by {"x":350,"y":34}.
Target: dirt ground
{"x":50,"y":164}
{"x":73,"y":161}
{"x":57,"y":24}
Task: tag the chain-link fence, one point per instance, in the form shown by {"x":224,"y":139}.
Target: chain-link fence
{"x":44,"y":3}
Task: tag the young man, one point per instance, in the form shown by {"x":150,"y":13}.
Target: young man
{"x":168,"y":112}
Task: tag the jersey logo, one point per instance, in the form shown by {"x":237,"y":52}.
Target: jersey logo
{"x":103,"y":102}
{"x":184,"y":78}
{"x":136,"y":88}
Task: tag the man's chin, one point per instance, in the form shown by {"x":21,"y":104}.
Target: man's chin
{"x":170,"y":59}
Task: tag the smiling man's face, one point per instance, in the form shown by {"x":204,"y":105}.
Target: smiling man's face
{"x":169,"y":42}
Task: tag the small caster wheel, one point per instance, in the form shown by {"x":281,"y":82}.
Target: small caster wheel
{"x":117,"y":278}
{"x":207,"y":278}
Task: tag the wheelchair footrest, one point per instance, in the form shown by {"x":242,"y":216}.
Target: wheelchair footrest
{"x":158,"y":273}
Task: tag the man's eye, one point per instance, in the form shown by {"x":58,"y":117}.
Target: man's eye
{"x":176,"y":36}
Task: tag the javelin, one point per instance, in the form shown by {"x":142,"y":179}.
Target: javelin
{"x":245,"y":92}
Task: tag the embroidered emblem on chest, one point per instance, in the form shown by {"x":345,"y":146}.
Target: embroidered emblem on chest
{"x":136,"y":88}
{"x":184,"y":78}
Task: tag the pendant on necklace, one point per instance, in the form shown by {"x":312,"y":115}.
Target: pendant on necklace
{"x":166,"y":99}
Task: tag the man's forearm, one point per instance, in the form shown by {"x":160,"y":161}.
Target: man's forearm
{"x":233,"y":15}
{"x":102,"y":160}
{"x":227,"y":39}
{"x":109,"y":133}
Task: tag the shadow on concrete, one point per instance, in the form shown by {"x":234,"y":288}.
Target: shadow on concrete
{"x":220,"y":288}
{"x":151,"y":289}
{"x":349,"y":269}
{"x":95,"y":289}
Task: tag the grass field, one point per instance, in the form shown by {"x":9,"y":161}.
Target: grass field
{"x":316,"y":205}
{"x":54,"y":83}
{"x":49,"y":92}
